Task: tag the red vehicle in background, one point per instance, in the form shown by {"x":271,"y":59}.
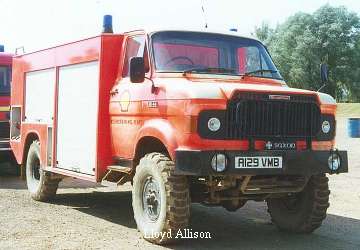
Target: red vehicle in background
{"x":5,"y":79}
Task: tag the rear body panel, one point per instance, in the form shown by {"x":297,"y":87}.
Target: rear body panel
{"x":70,"y":117}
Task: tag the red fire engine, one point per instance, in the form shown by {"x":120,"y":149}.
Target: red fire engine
{"x":185,"y":116}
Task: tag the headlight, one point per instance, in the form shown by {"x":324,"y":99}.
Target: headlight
{"x":211,"y":124}
{"x":325,"y":127}
{"x":214,"y":124}
{"x":219,"y":162}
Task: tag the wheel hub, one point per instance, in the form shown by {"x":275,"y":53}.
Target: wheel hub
{"x":36,"y":169}
{"x":151,"y":198}
{"x":293,"y":202}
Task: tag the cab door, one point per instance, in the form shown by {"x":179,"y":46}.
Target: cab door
{"x":128,"y":101}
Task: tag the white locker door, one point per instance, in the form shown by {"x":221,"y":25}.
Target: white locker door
{"x":40,"y":95}
{"x":77,"y":117}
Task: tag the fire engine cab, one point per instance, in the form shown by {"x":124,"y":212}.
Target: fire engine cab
{"x":185,"y":116}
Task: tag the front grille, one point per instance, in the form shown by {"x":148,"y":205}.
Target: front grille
{"x":252,"y":115}
{"x":4,"y":129}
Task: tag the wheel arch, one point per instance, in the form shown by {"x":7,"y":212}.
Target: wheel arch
{"x":146,"y":145}
{"x":156,"y":134}
{"x":30,"y":138}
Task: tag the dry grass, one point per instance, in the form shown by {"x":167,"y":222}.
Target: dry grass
{"x":349,"y":110}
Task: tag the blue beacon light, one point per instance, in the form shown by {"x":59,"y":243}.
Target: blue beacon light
{"x":107,"y":24}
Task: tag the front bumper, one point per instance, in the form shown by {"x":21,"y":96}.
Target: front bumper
{"x":304,"y":163}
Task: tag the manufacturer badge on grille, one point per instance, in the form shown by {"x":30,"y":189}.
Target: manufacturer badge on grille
{"x":269,"y":145}
{"x":280,"y":145}
{"x":279,"y":97}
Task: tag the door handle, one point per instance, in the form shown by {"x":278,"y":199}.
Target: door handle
{"x":114,"y":92}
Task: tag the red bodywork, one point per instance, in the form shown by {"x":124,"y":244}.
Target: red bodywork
{"x":105,"y":48}
{"x":5,"y":60}
{"x":134,"y":112}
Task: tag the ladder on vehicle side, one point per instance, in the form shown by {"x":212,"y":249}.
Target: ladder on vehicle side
{"x":116,"y":175}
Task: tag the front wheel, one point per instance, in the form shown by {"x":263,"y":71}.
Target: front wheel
{"x":160,"y":199}
{"x":40,"y":184}
{"x":302,"y":212}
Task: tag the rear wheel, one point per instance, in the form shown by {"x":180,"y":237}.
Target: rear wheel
{"x":160,"y":199}
{"x":302,"y":212}
{"x":40,"y":184}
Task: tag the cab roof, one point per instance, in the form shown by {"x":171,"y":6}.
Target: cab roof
{"x":209,"y":31}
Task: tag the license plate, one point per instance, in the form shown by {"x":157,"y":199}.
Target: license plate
{"x":258,"y":162}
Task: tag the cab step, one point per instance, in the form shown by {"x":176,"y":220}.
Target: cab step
{"x":116,"y":176}
{"x":120,"y":169}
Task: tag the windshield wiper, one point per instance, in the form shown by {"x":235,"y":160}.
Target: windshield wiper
{"x":210,"y":70}
{"x":260,"y":71}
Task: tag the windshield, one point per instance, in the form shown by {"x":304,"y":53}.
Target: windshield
{"x":5,"y":80}
{"x":178,"y":51}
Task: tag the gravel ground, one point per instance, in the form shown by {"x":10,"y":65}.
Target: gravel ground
{"x":86,"y":216}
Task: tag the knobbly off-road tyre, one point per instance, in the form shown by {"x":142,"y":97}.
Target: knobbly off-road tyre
{"x":40,"y":184}
{"x":305,"y":211}
{"x":155,"y":185}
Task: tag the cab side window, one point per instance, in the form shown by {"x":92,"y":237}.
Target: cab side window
{"x":135,"y":47}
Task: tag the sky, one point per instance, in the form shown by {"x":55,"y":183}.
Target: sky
{"x":38,"y":24}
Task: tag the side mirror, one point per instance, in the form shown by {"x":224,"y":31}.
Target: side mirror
{"x":324,"y":73}
{"x":137,"y":69}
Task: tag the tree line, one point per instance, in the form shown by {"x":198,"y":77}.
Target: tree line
{"x":330,"y":35}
